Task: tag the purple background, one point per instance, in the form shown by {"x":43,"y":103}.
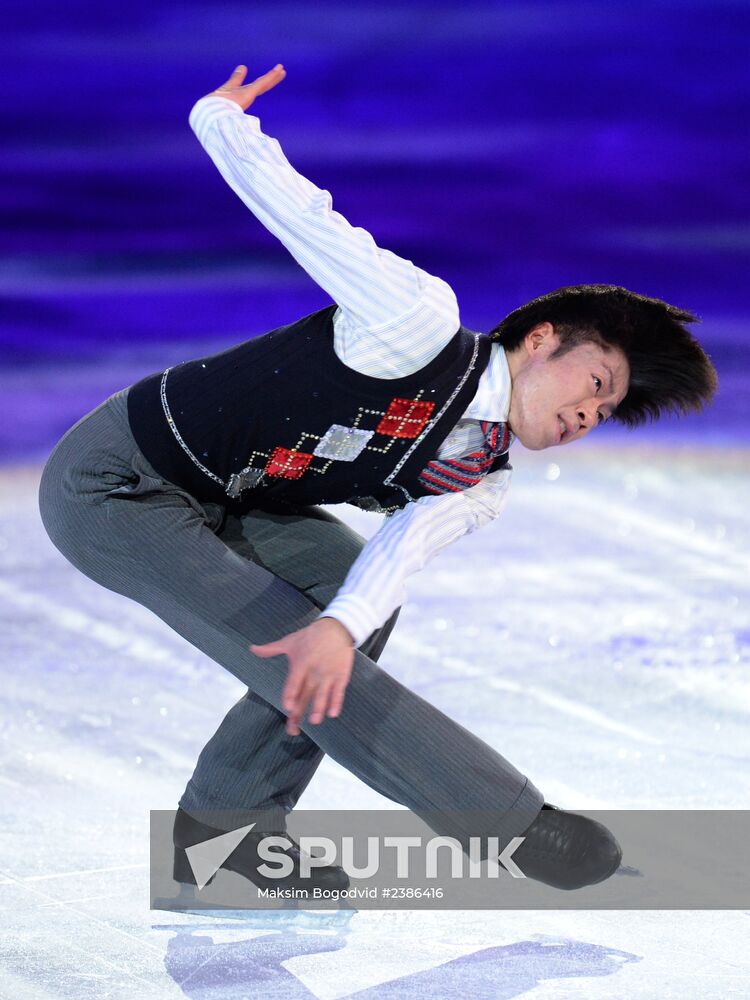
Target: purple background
{"x":511,"y":149}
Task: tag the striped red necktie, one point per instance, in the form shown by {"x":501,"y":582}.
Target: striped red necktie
{"x":451,"y":475}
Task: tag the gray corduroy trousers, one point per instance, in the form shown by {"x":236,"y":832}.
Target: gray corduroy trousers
{"x":222,"y":582}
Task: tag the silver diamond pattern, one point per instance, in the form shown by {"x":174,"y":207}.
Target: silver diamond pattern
{"x":244,"y":480}
{"x":342,"y":443}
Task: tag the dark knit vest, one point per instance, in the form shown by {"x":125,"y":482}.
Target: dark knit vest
{"x":280,"y":421}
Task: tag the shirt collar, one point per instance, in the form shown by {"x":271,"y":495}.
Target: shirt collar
{"x":492,"y":398}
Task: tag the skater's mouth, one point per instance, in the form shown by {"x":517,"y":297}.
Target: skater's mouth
{"x":564,"y":431}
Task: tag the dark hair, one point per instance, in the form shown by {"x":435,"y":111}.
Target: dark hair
{"x":669,"y":370}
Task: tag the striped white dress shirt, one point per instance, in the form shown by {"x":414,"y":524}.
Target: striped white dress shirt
{"x":392,"y":319}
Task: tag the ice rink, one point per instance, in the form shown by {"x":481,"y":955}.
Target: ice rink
{"x":607,"y":616}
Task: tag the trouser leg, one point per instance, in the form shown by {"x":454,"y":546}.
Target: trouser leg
{"x":153,"y":543}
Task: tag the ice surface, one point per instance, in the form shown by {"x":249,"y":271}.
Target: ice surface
{"x":597,"y":635}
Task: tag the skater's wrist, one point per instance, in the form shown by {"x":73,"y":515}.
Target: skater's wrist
{"x":339,"y":627}
{"x":355,"y":613}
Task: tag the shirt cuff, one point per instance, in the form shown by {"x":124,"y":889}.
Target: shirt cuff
{"x":355,"y":614}
{"x":207,"y":109}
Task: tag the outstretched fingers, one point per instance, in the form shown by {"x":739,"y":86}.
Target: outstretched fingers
{"x":263,"y":83}
{"x":320,"y":664}
{"x":320,"y":701}
{"x":235,"y":80}
{"x":244,"y":95}
{"x":293,"y":699}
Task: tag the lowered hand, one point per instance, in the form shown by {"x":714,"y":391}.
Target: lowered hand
{"x":321,"y":657}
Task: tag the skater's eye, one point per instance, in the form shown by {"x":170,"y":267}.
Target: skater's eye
{"x":598,"y":381}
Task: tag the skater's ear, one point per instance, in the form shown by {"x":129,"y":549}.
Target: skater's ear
{"x":540,"y":341}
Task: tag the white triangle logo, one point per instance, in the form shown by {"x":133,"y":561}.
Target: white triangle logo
{"x":208,"y":857}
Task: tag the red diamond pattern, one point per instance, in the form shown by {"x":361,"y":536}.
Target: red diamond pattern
{"x":405,"y":418}
{"x":288,"y":463}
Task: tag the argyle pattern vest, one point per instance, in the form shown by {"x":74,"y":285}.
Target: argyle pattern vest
{"x":279,"y":421}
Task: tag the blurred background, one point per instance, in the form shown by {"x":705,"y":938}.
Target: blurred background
{"x":509,"y":148}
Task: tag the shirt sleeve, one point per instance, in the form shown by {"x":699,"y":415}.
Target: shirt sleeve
{"x":396,"y":317}
{"x":376,"y":583}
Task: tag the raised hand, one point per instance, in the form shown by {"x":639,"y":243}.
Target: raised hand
{"x":244,"y":95}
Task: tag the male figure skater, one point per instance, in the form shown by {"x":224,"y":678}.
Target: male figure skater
{"x":195,"y":492}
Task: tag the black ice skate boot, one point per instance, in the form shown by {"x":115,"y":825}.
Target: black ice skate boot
{"x":245,"y":859}
{"x":566,"y":850}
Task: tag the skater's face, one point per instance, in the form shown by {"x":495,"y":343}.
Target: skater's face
{"x":558,"y":400}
